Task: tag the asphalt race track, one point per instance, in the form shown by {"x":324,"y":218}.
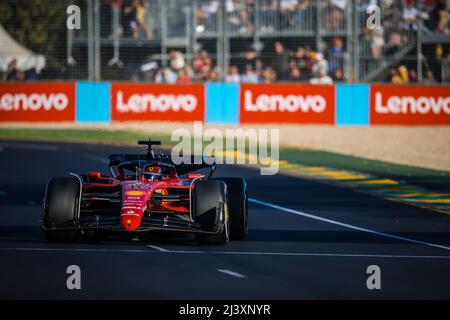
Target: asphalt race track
{"x":306,"y":241}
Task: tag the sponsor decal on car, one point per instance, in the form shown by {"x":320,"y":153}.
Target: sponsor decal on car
{"x":134,"y":193}
{"x":287,"y":103}
{"x":140,"y":102}
{"x":32,"y":102}
{"x":409,"y":105}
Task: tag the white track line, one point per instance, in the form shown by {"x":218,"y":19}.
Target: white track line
{"x":232,"y":273}
{"x":345,"y":225}
{"x":158,"y":248}
{"x":243,"y":253}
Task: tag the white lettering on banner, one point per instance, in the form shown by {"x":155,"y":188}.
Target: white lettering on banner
{"x":289,"y":103}
{"x":33,"y":102}
{"x":149,"y":102}
{"x":408,"y":104}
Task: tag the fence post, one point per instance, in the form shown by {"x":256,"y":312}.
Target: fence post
{"x":419,"y":43}
{"x":348,"y":54}
{"x":91,"y":40}
{"x":189,"y":32}
{"x":97,"y":61}
{"x":221,"y":40}
{"x":256,"y":27}
{"x":163,"y":21}
{"x":356,"y":29}
{"x":319,"y":4}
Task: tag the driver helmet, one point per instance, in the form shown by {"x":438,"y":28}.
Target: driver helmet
{"x":152,"y":172}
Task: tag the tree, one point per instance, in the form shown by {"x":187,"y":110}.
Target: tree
{"x":39,"y":25}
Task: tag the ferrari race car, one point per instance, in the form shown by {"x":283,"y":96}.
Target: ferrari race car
{"x":147,"y":194}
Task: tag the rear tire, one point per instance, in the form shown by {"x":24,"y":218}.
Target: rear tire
{"x":237,"y":206}
{"x":211,"y":211}
{"x":61,"y":209}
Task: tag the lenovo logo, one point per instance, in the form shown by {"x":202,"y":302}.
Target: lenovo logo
{"x":284,"y":103}
{"x":33,"y":102}
{"x":141,"y":103}
{"x":411,"y":105}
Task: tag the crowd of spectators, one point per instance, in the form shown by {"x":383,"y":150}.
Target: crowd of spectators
{"x":303,"y":63}
{"x":283,"y":65}
{"x":132,"y":18}
{"x":273,"y":15}
{"x":404,"y":75}
{"x":279,"y":61}
{"x":289,"y":15}
{"x":283,"y":15}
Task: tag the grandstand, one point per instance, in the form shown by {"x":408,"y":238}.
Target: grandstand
{"x":249,"y":41}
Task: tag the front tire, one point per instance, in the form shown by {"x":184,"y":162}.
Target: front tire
{"x":210,"y":209}
{"x":237,"y":206}
{"x":61,"y":209}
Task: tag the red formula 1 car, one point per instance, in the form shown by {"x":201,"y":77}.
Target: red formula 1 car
{"x":147,"y":194}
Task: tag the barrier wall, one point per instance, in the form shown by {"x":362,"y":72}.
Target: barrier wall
{"x":36,"y":102}
{"x":342,"y":104}
{"x":287,"y":103}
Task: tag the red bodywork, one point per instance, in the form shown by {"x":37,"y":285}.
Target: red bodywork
{"x":138,"y":196}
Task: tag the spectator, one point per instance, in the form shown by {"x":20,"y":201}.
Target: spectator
{"x":410,"y":14}
{"x":377,"y":44}
{"x":336,"y":54}
{"x":403,"y":71}
{"x":302,"y":60}
{"x":11,"y":70}
{"x":441,"y":15}
{"x":444,"y":17}
{"x":323,"y":78}
{"x":166,"y":75}
{"x":184,"y":76}
{"x":280,"y":61}
{"x":310,"y":56}
{"x":269,"y":75}
{"x":395,"y":76}
{"x":250,"y":59}
{"x":259,"y":65}
{"x":259,"y":69}
{"x":140,"y":9}
{"x":249,"y":76}
{"x":338,"y":75}
{"x":267,"y":8}
{"x":214,"y":75}
{"x":295,"y":75}
{"x":429,"y":77}
{"x":395,"y":43}
{"x":412,"y":76}
{"x":176,"y":60}
{"x":206,"y":14}
{"x":233,"y":75}
{"x":320,"y":64}
{"x":242,"y":8}
{"x":333,"y":18}
{"x":287,"y":14}
{"x":203,"y":66}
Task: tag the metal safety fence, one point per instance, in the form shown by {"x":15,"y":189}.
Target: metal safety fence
{"x":248,"y":41}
